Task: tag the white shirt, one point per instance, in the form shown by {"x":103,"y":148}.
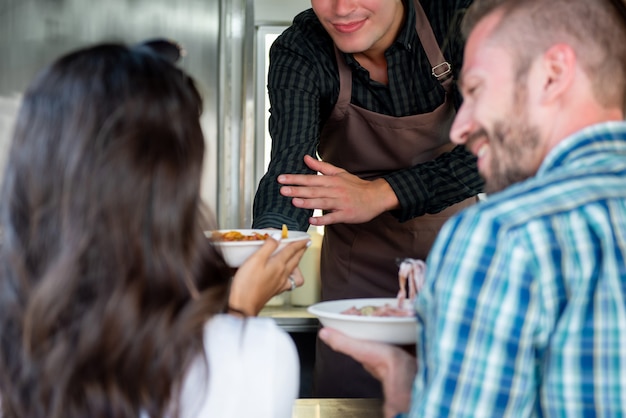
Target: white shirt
{"x":251,"y":370}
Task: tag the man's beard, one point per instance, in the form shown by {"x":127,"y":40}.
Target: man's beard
{"x":512,"y":143}
{"x":519,"y":142}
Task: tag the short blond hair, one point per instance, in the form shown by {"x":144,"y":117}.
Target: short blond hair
{"x":595,"y":29}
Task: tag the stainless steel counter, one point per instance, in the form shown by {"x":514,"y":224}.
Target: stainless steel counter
{"x":337,"y":408}
{"x":292,"y":318}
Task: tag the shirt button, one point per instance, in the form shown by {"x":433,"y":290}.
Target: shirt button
{"x":408,"y":46}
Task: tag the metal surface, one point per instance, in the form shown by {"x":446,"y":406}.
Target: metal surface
{"x":337,"y":408}
{"x":233,"y":88}
{"x":35,"y":32}
{"x":292,"y":318}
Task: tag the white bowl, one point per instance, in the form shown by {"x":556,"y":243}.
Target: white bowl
{"x":388,"y":329}
{"x":236,"y":252}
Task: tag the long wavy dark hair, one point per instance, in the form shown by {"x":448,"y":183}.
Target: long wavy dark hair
{"x":106,"y":278}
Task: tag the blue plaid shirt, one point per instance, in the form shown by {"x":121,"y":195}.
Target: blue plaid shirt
{"x":524,"y":311}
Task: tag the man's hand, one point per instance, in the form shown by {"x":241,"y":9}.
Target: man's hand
{"x":394,"y":367}
{"x":346,"y":197}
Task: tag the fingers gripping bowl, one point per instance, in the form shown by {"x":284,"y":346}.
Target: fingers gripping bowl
{"x":388,"y":329}
{"x":237,"y":251}
{"x":387,"y":320}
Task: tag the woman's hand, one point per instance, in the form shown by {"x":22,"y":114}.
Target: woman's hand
{"x":264,"y":275}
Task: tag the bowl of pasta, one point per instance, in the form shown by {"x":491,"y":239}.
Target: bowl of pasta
{"x":385,"y":320}
{"x":237,"y":245}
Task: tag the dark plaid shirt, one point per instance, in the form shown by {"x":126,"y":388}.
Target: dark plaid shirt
{"x":303,"y":86}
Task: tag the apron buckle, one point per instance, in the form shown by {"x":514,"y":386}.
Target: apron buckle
{"x":442,"y":70}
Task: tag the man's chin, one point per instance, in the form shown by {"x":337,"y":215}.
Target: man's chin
{"x":493,"y":186}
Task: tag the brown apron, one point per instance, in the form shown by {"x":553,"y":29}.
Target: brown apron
{"x":358,"y":260}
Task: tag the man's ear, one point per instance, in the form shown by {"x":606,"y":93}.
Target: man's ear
{"x":559,"y":65}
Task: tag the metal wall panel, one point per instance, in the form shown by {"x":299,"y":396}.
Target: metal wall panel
{"x":234,"y":129}
{"x":35,"y":32}
{"x":278,"y":12}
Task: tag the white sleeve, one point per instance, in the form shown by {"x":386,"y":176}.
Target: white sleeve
{"x":253,"y":371}
{"x":283,"y":385}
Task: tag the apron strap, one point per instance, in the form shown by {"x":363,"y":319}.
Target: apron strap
{"x":441,"y":69}
{"x":345,"y":81}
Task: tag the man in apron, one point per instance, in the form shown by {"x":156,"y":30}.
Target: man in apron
{"x":365,"y":85}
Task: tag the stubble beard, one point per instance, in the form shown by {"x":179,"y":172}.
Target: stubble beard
{"x":512,"y":145}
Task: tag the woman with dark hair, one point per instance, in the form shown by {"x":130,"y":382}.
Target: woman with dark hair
{"x":113,"y":303}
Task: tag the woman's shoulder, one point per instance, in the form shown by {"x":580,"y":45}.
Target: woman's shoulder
{"x":242,"y":329}
{"x":248,"y":339}
{"x":250,"y":368}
